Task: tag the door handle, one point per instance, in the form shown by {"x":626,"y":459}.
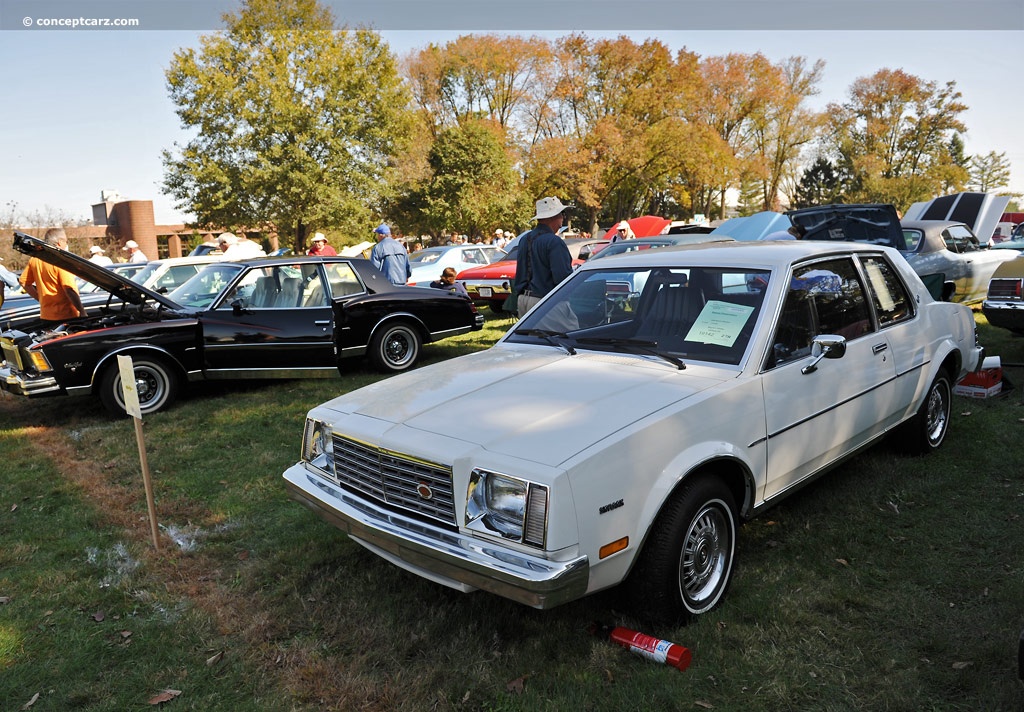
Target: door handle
{"x":322,"y":322}
{"x":879,"y":348}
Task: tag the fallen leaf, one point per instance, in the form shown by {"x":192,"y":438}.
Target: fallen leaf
{"x":961,"y":665}
{"x":705,"y":705}
{"x":966,"y":413}
{"x":243,"y":555}
{"x":214,"y":659}
{"x":165,"y":696}
{"x":893,"y":507}
{"x":98,"y":616}
{"x":844,"y":562}
{"x":14,"y":507}
{"x":465,"y":697}
{"x":126,"y":634}
{"x":30,"y":702}
{"x":4,"y":599}
{"x":517,"y":685}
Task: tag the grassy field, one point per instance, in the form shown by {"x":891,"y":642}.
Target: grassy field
{"x":894,"y":583}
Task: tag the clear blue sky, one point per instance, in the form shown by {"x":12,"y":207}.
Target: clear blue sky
{"x":87,"y":111}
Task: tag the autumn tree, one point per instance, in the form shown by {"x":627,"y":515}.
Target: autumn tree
{"x":294,"y":122}
{"x":989,"y":172}
{"x":820,"y":184}
{"x":893,"y":136}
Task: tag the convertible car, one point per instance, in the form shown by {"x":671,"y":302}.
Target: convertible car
{"x":720,"y":378}
{"x":285,"y":317}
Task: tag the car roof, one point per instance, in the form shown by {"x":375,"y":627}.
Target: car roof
{"x":770,"y":253}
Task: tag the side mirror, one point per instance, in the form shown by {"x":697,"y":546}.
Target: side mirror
{"x":825,"y":346}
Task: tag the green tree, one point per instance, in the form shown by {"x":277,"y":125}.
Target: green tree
{"x":294,"y":122}
{"x":990,"y":172}
{"x":473,"y":187}
{"x":820,"y":184}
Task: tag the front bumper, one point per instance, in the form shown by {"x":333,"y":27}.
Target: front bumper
{"x":1005,"y":315}
{"x":21,"y":385}
{"x":454,"y":559}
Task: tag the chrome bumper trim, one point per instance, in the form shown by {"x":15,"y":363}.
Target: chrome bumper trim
{"x":449,"y":558}
{"x":20,"y":386}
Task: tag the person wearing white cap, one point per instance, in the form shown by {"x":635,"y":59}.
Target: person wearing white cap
{"x":544,"y":258}
{"x":98,"y":258}
{"x":623,"y":232}
{"x":320,"y":246}
{"x":134,"y":253}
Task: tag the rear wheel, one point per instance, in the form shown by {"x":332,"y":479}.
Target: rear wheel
{"x":156,"y":383}
{"x":687,"y":562}
{"x":395,"y":347}
{"x":926,"y":431}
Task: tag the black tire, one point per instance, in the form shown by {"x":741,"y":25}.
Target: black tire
{"x":687,"y":562}
{"x":926,"y":431}
{"x":395,"y":347}
{"x":157,"y":383}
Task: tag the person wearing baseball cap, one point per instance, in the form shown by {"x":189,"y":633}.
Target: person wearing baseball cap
{"x":389,"y":256}
{"x":544,"y":258}
{"x":134,"y":253}
{"x":98,"y":258}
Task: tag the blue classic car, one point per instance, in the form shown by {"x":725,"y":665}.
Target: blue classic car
{"x":283,"y":317}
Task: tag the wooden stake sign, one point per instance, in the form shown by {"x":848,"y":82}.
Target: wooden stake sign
{"x":131,"y":406}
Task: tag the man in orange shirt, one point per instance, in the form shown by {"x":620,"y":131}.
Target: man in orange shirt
{"x":53,"y":287}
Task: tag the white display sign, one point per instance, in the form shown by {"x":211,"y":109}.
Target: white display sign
{"x":131,"y":396}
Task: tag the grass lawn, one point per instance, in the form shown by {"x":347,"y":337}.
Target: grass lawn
{"x":893,"y":583}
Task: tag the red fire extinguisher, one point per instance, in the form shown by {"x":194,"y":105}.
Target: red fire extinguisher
{"x":660,"y":651}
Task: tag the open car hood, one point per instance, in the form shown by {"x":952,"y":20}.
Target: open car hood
{"x":877,"y":224}
{"x":753,"y":227}
{"x":108,"y":280}
{"x":979,"y":211}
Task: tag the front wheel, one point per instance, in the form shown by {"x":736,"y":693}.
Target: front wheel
{"x":156,"y":383}
{"x":687,"y":562}
{"x":395,"y":347}
{"x":927,"y":429}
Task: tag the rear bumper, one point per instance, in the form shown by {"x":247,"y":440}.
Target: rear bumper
{"x":450,"y":558}
{"x":1005,"y":315}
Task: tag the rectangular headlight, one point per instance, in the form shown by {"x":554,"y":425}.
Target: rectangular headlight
{"x":318,"y":445}
{"x":508,"y":507}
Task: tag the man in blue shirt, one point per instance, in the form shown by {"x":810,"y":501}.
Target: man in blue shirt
{"x":390,"y":257}
{"x":544,"y":258}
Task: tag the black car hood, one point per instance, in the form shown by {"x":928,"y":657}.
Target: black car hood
{"x":877,"y":224}
{"x":108,"y":280}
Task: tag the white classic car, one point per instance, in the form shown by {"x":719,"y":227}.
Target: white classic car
{"x":626,"y":425}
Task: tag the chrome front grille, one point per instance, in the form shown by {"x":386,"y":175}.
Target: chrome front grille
{"x":398,"y":480}
{"x":1004,"y":288}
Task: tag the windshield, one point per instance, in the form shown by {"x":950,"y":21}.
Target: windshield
{"x":688,"y":313}
{"x":425,"y":257}
{"x":200,"y":291}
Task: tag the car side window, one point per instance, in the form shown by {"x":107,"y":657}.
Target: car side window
{"x":824,"y":298}
{"x":963,"y":238}
{"x":912,"y":239}
{"x":891,"y":299}
{"x":342,"y":279}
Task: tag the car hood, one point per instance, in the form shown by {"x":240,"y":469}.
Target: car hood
{"x":979,"y":211}
{"x":539,"y":404}
{"x":108,"y":280}
{"x":496,"y":270}
{"x":876,"y":224}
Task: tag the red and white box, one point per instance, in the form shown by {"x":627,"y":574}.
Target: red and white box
{"x":986,"y":382}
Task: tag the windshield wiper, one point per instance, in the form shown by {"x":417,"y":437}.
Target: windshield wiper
{"x":552,"y":337}
{"x":643,"y":346}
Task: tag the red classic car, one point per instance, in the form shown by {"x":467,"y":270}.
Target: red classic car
{"x":491,"y":284}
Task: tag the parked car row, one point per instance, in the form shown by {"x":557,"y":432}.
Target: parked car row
{"x":283,"y":317}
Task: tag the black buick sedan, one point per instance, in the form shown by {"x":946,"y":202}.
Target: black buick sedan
{"x":275,"y":317}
